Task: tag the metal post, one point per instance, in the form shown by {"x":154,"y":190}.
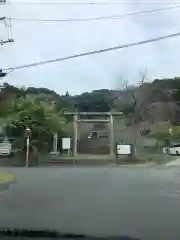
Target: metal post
{"x":55,"y":142}
{"x":28,"y":134}
{"x":111,"y":124}
{"x":75,"y":128}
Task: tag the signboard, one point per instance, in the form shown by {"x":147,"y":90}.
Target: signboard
{"x":66,"y":143}
{"x":124,"y":149}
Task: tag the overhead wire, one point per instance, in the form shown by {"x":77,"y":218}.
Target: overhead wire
{"x":93,"y":52}
{"x":111,"y":17}
{"x":93,"y":2}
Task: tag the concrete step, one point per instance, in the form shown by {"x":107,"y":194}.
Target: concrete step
{"x":85,"y":162}
{"x":80,"y":160}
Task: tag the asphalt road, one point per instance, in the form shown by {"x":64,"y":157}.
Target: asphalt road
{"x":138,"y":202}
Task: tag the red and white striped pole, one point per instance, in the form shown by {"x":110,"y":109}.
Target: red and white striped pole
{"x":27,"y":152}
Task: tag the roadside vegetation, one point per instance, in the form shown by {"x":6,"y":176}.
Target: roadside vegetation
{"x":151,"y":109}
{"x":6,"y":177}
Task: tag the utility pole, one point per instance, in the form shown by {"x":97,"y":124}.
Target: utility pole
{"x":8,"y":25}
{"x":2,"y":74}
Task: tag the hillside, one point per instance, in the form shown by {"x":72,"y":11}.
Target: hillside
{"x":152,"y":98}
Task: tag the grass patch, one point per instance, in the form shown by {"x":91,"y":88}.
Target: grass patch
{"x":6,"y":177}
{"x":160,"y":131}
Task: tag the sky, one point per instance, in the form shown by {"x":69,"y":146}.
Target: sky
{"x":37,"y":41}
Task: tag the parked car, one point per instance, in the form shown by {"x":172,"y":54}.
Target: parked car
{"x":172,"y":149}
{"x":6,"y":148}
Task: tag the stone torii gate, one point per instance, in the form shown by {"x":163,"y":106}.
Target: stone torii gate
{"x":108,"y":118}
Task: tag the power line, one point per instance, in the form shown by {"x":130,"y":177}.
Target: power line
{"x":93,"y":2}
{"x":112,"y":17}
{"x":93,"y":52}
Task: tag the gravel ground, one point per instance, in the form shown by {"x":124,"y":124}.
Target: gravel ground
{"x":138,"y":202}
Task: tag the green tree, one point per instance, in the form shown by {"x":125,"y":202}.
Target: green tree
{"x":96,"y":101}
{"x":40,"y":116}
